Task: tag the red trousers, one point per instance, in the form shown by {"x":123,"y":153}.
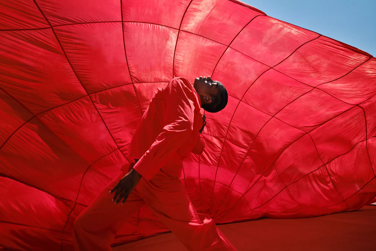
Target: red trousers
{"x":96,"y":227}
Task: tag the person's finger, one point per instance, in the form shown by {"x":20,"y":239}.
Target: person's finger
{"x":116,"y":194}
{"x":125,"y":199}
{"x":121,"y":196}
{"x":118,"y":199}
{"x":115,"y":197}
{"x":114,"y":189}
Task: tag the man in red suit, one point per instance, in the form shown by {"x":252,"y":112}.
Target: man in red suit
{"x":168,"y":131}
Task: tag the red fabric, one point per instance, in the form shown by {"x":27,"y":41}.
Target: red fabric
{"x":297,"y":138}
{"x":96,"y":227}
{"x":168,"y":129}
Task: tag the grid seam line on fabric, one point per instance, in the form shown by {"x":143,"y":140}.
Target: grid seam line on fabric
{"x":292,"y":102}
{"x":236,"y":110}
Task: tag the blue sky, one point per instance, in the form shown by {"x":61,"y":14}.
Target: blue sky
{"x":349,"y":21}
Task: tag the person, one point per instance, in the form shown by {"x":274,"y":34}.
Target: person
{"x":168,"y":131}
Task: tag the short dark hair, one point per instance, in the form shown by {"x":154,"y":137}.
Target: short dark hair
{"x":219,"y":102}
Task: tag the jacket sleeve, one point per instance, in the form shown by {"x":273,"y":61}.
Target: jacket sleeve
{"x":200,"y":145}
{"x":178,"y":127}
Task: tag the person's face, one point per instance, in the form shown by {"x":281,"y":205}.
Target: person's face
{"x":207,"y":89}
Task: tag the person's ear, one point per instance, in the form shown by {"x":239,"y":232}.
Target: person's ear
{"x":207,"y":99}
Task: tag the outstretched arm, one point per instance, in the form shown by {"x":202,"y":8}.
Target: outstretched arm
{"x":178,"y":128}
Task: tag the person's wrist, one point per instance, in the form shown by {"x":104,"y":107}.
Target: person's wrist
{"x":135,"y":173}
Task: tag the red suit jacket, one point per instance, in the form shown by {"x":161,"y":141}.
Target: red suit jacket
{"x":168,"y":130}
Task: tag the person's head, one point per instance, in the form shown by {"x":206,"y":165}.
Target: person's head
{"x":213,"y":94}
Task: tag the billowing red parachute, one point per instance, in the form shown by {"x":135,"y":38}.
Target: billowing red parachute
{"x":297,"y":139}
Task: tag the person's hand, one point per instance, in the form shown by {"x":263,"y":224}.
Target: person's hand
{"x":203,"y":124}
{"x":125,"y":186}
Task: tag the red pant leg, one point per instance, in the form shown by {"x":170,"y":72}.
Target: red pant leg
{"x":168,"y":198}
{"x":95,"y":228}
